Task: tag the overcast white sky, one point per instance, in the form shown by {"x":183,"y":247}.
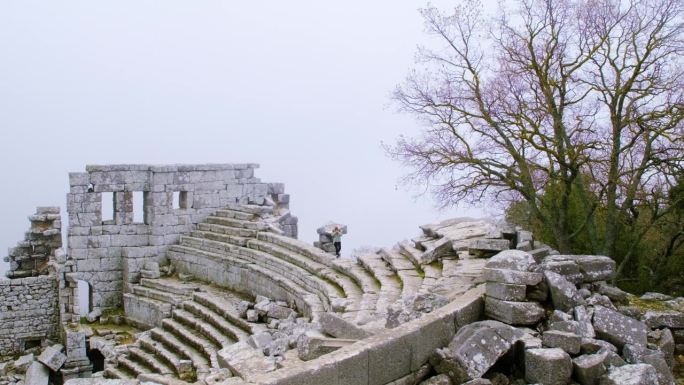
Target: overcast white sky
{"x":300,"y":87}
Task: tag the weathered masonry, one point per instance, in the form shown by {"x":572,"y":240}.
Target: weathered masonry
{"x":110,"y":248}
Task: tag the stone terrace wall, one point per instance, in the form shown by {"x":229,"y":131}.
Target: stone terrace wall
{"x":111,"y":253}
{"x":28,"y":312}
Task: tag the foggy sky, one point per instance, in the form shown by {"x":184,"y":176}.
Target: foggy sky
{"x":300,"y":87}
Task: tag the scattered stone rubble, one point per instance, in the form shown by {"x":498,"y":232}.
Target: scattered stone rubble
{"x":30,"y":257}
{"x":555,"y":320}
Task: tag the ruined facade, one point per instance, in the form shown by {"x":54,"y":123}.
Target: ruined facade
{"x":208,"y":284}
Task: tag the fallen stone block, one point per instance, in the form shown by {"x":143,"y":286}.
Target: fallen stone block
{"x":569,"y":269}
{"x":244,"y":360}
{"x":638,"y":374}
{"x":588,"y":369}
{"x":280,"y":312}
{"x":310,"y":347}
{"x":615,"y":294}
{"x":664,"y":319}
{"x":506,"y":292}
{"x":511,"y":276}
{"x":563,"y":293}
{"x":22,"y":363}
{"x":474,"y":350}
{"x":484,"y":247}
{"x":591,"y":345}
{"x":583,"y":317}
{"x":565,"y":326}
{"x":443,"y":379}
{"x":640,"y":355}
{"x":436,"y":250}
{"x":664,"y":340}
{"x":547,"y":366}
{"x":53,"y":357}
{"x":260,"y":340}
{"x":619,"y":329}
{"x":513,"y":313}
{"x":512,"y":260}
{"x":37,"y":374}
{"x":94,"y":315}
{"x":594,"y":267}
{"x":338,"y":327}
{"x":569,"y":342}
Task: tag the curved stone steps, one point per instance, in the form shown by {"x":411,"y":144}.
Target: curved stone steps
{"x":117,"y":374}
{"x":251,"y":209}
{"x":227,"y":230}
{"x":228,"y":213}
{"x":171,"y":286}
{"x":224,"y":317}
{"x":206,"y":329}
{"x":407,"y":249}
{"x":433,"y":273}
{"x":410,"y":275}
{"x":309,"y":303}
{"x":326,"y":290}
{"x":390,"y":284}
{"x":188,"y":336}
{"x":150,"y":360}
{"x":343,"y":283}
{"x":132,"y":366}
{"x":158,"y":295}
{"x":232,"y":222}
{"x":159,"y":350}
{"x":172,"y":343}
{"x":362,"y":280}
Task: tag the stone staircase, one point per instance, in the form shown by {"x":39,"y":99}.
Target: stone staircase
{"x":236,"y":249}
{"x":201,"y":320}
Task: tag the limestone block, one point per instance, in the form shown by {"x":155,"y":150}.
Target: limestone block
{"x":547,"y":366}
{"x":640,"y":355}
{"x":588,"y":369}
{"x":664,"y":319}
{"x":37,"y":374}
{"x":311,"y":347}
{"x":279,"y":312}
{"x":569,"y":342}
{"x":22,"y":363}
{"x":506,"y":292}
{"x":436,"y":250}
{"x":243,"y":360}
{"x":615,"y":294}
{"x":486,"y":246}
{"x":475,"y":349}
{"x":638,"y":374}
{"x":594,"y":267}
{"x":619,"y":329}
{"x":665,"y":342}
{"x":53,"y":357}
{"x":338,"y":327}
{"x":569,"y":269}
{"x":512,"y":260}
{"x":511,"y":276}
{"x":563,"y":293}
{"x":513,"y":313}
{"x":443,"y":379}
{"x":583,"y":317}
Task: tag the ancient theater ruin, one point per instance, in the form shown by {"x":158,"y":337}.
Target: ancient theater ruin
{"x":180,"y":274}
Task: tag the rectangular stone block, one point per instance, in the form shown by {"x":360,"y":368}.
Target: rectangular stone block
{"x":506,"y":292}
{"x":511,"y":276}
{"x":513,"y":313}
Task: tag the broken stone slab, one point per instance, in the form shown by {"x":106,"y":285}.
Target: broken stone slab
{"x":639,"y":355}
{"x":474,"y":349}
{"x":637,"y":374}
{"x":513,"y":313}
{"x":664,"y":319}
{"x":563,"y":293}
{"x":53,"y":357}
{"x":435,"y":250}
{"x":665,"y":342}
{"x":260,"y":340}
{"x":619,"y":329}
{"x":311,"y":347}
{"x":569,"y":269}
{"x":588,"y":369}
{"x":37,"y":374}
{"x":22,"y":363}
{"x":653,"y":296}
{"x":615,"y":294}
{"x":583,"y":317}
{"x":244,"y":360}
{"x":483,"y":247}
{"x":512,"y":260}
{"x":569,"y":342}
{"x":565,"y":326}
{"x":280,"y":312}
{"x":511,"y":276}
{"x":592,"y":345}
{"x":338,"y":327}
{"x":547,"y":366}
{"x":594,"y":267}
{"x":94,"y":315}
{"x":506,"y":292}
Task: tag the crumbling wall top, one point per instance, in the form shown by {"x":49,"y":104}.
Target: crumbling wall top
{"x":171,"y":167}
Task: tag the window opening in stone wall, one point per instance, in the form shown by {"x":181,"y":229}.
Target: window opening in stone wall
{"x":85,"y":298}
{"x":107,"y":206}
{"x":183,"y":199}
{"x":138,"y":207}
{"x":31,"y":343}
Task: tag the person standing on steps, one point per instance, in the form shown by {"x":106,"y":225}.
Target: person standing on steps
{"x":337,"y":240}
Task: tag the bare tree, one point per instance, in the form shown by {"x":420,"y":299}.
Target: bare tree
{"x":583,"y":96}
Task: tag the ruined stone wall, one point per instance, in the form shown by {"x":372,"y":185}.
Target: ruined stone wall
{"x":28,"y":312}
{"x":109,"y":254}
